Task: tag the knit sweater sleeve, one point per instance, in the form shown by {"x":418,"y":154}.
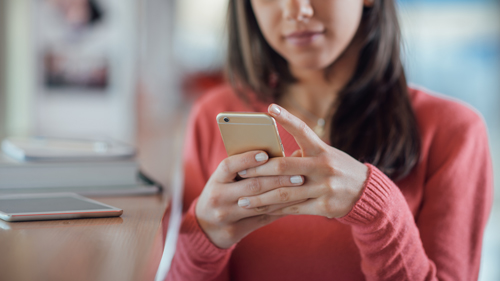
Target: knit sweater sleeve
{"x":196,"y":257}
{"x":444,"y":241}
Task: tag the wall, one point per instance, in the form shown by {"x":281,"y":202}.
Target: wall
{"x":2,"y":68}
{"x":19,"y":77}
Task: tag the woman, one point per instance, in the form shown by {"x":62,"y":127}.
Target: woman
{"x":381,"y":182}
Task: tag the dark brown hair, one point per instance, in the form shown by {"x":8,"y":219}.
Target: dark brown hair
{"x":373,"y":119}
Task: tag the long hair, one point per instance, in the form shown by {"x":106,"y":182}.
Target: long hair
{"x":373,"y":120}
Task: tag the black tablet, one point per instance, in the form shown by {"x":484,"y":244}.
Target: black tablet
{"x":27,"y":207}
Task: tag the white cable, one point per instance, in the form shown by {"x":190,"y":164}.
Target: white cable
{"x":176,"y":211}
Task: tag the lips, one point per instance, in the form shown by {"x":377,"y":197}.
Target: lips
{"x":302,"y":38}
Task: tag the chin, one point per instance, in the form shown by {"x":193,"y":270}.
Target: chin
{"x":313,"y":58}
{"x":311,"y":63}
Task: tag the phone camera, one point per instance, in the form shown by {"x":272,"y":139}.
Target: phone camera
{"x":226,"y":119}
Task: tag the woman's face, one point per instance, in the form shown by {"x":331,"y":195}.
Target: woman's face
{"x":309,"y":34}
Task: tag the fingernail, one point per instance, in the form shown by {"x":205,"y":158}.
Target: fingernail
{"x":261,"y":157}
{"x":242,"y":173}
{"x":275,"y":109}
{"x":296,"y":179}
{"x":243,"y":202}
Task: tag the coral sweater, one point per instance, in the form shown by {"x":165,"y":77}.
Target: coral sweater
{"x":428,"y":226}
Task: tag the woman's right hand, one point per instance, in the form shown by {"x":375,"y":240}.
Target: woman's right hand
{"x":217,"y":210}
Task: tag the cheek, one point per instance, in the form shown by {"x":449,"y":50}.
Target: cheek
{"x":342,"y":25}
{"x":269,"y":21}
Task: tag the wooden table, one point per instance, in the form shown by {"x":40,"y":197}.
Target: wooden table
{"x":124,"y":248}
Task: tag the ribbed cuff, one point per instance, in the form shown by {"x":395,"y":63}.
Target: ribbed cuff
{"x":373,"y":202}
{"x":193,"y":237}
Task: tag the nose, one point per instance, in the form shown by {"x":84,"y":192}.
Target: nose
{"x":298,"y":10}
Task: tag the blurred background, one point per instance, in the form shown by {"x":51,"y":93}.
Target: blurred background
{"x":130,"y":69}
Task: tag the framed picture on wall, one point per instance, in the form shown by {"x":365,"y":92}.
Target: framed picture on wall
{"x":85,"y":55}
{"x":74,"y":45}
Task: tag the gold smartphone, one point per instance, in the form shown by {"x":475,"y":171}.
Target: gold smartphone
{"x":242,"y":132}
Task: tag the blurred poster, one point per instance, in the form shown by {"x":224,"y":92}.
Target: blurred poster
{"x":74,"y":48}
{"x":62,"y":70}
{"x":86,"y":54}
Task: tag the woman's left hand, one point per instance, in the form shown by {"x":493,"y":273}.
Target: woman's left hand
{"x":333,"y":180}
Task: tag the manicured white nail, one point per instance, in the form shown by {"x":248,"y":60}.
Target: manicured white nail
{"x":261,"y":157}
{"x":296,"y":179}
{"x":242,"y":173}
{"x":243,"y":202}
{"x":275,"y":109}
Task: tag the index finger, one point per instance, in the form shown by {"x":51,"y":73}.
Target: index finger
{"x":229,"y":167}
{"x":308,"y":141}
